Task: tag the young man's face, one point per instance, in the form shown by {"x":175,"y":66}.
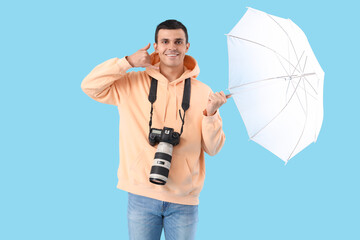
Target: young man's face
{"x":171,"y":46}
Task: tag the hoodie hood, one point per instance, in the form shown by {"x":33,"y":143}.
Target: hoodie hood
{"x":191,"y":69}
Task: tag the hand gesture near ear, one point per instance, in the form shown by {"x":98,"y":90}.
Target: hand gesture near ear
{"x":141,"y":58}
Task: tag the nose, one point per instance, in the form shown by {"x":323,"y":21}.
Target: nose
{"x":172,"y":46}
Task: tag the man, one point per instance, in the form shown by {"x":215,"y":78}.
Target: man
{"x":174,"y":204}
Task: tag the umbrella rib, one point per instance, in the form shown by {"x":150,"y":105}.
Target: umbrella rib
{"x":287,"y":89}
{"x":297,"y":95}
{"x":311,"y":86}
{"x":309,"y":94}
{"x":305,"y":75}
{"x":303,"y":130}
{"x":276,"y":114}
{"x":274,"y":78}
{"x":288,"y":51}
{"x":282,"y":64}
{"x":264,"y":47}
{"x":307,"y":80}
{"x":298,"y":62}
{"x":285,"y":33}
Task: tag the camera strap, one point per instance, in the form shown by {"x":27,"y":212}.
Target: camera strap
{"x":185,"y":101}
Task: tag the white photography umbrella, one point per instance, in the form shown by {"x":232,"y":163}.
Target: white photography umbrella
{"x":276,"y":83}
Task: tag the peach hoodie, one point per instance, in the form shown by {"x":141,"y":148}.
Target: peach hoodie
{"x":109,"y":83}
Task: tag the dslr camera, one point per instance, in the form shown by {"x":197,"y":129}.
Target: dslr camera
{"x":167,"y":139}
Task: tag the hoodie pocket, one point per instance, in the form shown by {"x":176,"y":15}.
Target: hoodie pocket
{"x":180,"y":177}
{"x":140,"y":169}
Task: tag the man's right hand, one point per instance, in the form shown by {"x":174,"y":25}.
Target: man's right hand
{"x":141,"y":58}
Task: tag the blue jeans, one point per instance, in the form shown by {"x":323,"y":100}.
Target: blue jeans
{"x":147,"y":217}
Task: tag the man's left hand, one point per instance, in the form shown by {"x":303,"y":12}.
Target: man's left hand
{"x":216,"y":100}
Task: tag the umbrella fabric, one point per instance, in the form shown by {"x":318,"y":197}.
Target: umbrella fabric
{"x":276,"y":83}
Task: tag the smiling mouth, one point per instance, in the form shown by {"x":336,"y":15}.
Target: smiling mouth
{"x":172,"y":55}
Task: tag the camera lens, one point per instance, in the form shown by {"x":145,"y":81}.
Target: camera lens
{"x":161,"y":164}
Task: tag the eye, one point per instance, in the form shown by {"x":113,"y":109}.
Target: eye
{"x":179,"y":42}
{"x":164,"y":41}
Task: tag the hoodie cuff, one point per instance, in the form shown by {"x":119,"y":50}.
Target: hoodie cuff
{"x":123,"y":64}
{"x":212,"y":117}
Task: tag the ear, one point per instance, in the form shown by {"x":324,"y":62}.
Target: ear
{"x":155,"y":47}
{"x":187,"y":47}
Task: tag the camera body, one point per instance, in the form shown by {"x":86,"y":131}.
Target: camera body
{"x":167,"y":139}
{"x":165,"y":135}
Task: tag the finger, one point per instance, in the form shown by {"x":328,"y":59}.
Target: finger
{"x":223,"y":95}
{"x":217,"y":99}
{"x":218,"y":96}
{"x":212,"y":97}
{"x":228,"y":96}
{"x":146,"y":48}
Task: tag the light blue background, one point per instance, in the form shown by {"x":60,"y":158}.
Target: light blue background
{"x":59,"y":148}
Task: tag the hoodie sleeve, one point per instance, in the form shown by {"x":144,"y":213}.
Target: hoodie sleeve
{"x":213,"y":137}
{"x":108,"y":81}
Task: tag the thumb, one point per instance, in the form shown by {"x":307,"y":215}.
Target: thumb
{"x":228,"y":96}
{"x":146,"y":48}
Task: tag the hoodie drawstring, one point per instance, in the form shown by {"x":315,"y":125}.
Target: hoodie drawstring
{"x":176,"y":105}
